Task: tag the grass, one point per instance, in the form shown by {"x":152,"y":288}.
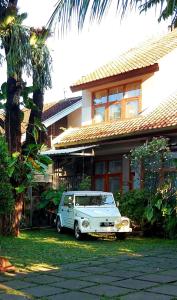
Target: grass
{"x":40,"y":249}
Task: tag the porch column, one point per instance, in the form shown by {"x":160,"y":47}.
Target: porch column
{"x":125,"y":174}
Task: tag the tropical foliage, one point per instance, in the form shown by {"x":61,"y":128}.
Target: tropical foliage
{"x":25,"y":52}
{"x":66,"y":10}
{"x":158,"y":207}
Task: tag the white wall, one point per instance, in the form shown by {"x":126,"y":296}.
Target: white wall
{"x":86,"y":108}
{"x":162,"y":84}
{"x":74,"y":119}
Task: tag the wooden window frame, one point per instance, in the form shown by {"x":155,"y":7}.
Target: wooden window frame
{"x":122,"y":102}
{"x":107,"y":175}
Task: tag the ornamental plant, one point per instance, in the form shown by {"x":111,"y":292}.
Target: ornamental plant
{"x":161,"y":207}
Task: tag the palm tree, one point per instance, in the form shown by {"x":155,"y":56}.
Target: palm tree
{"x":41,"y":67}
{"x":22,"y":56}
{"x":65,"y":10}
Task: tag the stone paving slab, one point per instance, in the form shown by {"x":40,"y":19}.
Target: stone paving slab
{"x":134,"y":284}
{"x":165,"y":289}
{"x":43,"y":291}
{"x":12,"y":297}
{"x":74,"y":296}
{"x":107,"y":290}
{"x":5,"y":278}
{"x":124,"y":274}
{"x":170,"y":273}
{"x":96,"y":270}
{"x":149,"y":269}
{"x":145,"y":296}
{"x":127,"y":277}
{"x":43,"y":279}
{"x":69,"y":274}
{"x":101,"y":278}
{"x":18,"y":284}
{"x":72,"y":284}
{"x":159,"y":278}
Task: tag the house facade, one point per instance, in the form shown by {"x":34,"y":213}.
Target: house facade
{"x":124,"y":104}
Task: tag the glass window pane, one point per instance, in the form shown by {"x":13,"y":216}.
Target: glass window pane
{"x":99,"y":115}
{"x":114,"y":184}
{"x":114,"y":112}
{"x":115,"y":166}
{"x":67,"y":200}
{"x":99,"y":184}
{"x":132,"y":90}
{"x":100,"y":168}
{"x":131,"y":109}
{"x":115,"y":94}
{"x":171,"y":177}
{"x":170,"y":160}
{"x":100,"y":97}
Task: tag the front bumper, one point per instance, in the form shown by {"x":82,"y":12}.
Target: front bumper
{"x":105,"y":230}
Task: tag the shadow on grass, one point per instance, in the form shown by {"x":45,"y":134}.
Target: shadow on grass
{"x":40,"y":249}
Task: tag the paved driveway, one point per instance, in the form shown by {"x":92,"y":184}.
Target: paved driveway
{"x":144,"y":276}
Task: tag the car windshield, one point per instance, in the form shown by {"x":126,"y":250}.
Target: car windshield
{"x":92,"y":200}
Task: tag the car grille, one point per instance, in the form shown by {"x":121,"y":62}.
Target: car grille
{"x":107,"y":224}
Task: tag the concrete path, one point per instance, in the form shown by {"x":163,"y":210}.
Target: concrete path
{"x":144,"y":276}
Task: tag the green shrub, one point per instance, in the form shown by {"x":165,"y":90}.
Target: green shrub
{"x":51,"y":197}
{"x":6,"y":192}
{"x":85,"y":184}
{"x":132,"y":204}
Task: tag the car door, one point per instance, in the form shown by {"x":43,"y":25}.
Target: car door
{"x":67,"y":211}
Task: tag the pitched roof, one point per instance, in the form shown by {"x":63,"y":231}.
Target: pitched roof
{"x":145,"y":55}
{"x":49,"y":110}
{"x":161,"y":118}
{"x":57,"y":107}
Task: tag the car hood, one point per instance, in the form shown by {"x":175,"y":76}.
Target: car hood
{"x":97,"y":212}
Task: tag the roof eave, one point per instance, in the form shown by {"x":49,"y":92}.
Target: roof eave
{"x":127,"y":135}
{"x":65,"y":112}
{"x":126,"y":75}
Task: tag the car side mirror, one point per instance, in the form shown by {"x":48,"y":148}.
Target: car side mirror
{"x":70,"y":204}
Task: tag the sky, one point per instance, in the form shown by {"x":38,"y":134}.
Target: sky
{"x":76,"y":54}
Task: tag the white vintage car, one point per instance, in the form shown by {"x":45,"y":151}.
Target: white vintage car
{"x":91,"y":212}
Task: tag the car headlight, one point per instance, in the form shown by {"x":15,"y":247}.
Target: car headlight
{"x":123,"y":223}
{"x":85,"y":223}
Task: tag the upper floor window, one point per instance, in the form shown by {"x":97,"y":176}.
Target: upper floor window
{"x":117,"y":103}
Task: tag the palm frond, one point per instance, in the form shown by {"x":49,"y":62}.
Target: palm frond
{"x":167,"y":9}
{"x":18,"y":50}
{"x":40,"y":58}
{"x":41,"y":65}
{"x":65,"y":10}
{"x":3,"y":6}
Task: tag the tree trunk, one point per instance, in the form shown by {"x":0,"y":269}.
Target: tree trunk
{"x":13,"y":116}
{"x":17,"y":214}
{"x":13,"y":3}
{"x":5,"y":226}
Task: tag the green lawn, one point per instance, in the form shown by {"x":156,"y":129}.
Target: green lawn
{"x":39,"y":249}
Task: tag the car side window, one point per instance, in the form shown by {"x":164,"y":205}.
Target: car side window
{"x":68,"y":199}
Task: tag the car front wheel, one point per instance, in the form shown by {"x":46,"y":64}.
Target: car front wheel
{"x":58,"y":226}
{"x":77,"y":233}
{"x":121,"y":235}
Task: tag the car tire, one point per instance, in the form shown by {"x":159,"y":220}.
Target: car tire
{"x":77,"y":233}
{"x":58,"y":226}
{"x":121,"y":236}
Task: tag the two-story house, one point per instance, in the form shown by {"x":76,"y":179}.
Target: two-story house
{"x":124,"y":103}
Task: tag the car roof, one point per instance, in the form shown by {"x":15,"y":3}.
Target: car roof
{"x":87,"y":192}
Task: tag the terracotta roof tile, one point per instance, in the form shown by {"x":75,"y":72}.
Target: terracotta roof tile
{"x":145,"y":55}
{"x":162,"y":117}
